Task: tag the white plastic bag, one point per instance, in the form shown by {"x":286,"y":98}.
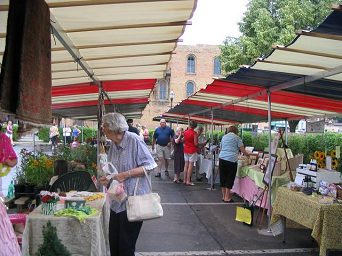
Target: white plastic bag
{"x":116,"y":190}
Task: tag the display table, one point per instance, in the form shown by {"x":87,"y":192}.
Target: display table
{"x":248,"y":182}
{"x":88,"y":238}
{"x":324,"y":220}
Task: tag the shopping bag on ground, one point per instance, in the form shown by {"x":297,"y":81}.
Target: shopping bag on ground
{"x":244,"y":214}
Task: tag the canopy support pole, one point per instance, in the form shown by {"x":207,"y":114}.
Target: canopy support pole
{"x":286,"y":134}
{"x":268,"y":231}
{"x":212,"y":151}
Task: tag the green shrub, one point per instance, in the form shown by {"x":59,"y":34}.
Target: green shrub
{"x":88,"y":133}
{"x":305,"y":144}
{"x":43,"y":134}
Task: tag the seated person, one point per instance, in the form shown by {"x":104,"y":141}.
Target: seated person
{"x":75,"y":143}
{"x":61,"y":167}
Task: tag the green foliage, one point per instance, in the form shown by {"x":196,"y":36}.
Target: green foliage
{"x":305,"y":144}
{"x":84,"y":157}
{"x":269,"y":22}
{"x":43,"y":134}
{"x":52,"y":245}
{"x":35,"y":169}
{"x":88,"y":133}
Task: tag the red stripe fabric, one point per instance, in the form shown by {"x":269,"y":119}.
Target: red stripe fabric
{"x":95,"y":102}
{"x":109,"y":86}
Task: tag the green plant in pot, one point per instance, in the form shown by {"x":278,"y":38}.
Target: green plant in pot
{"x":19,"y":182}
{"x":37,"y":169}
{"x":82,"y":158}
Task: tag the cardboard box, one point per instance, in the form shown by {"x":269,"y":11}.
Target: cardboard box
{"x":296,"y":161}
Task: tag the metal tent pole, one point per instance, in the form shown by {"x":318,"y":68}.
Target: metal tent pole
{"x":213,"y":152}
{"x":286,"y":134}
{"x":268,"y":231}
{"x":82,"y":131}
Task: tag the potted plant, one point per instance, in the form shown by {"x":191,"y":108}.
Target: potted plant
{"x":19,"y":182}
{"x":49,"y":202}
{"x":36,"y":170}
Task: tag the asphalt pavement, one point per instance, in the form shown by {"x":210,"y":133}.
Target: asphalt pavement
{"x":197,"y":222}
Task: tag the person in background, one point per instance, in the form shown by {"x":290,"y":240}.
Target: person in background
{"x":8,"y":156}
{"x":75,"y":132}
{"x":202,"y":141}
{"x":131,"y":128}
{"x":231,"y":144}
{"x":162,"y":138}
{"x":9,"y":131}
{"x":67,"y":134}
{"x":122,"y":233}
{"x":75,"y":143}
{"x":145,"y":134}
{"x":190,"y":152}
{"x":54,"y":133}
{"x":178,"y":154}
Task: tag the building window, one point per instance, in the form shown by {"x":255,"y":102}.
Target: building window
{"x":162,"y":90}
{"x":190,"y":88}
{"x":191,"y":64}
{"x":217,"y":66}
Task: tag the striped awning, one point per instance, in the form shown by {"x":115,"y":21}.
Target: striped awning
{"x":285,"y":105}
{"x":304,"y":78}
{"x":110,"y":40}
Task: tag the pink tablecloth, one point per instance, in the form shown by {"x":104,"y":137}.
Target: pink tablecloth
{"x":245,"y":187}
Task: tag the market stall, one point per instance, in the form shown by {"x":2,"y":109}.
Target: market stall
{"x":314,"y":212}
{"x":88,"y":236}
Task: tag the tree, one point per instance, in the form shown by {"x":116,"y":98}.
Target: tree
{"x":52,"y":245}
{"x":271,"y":22}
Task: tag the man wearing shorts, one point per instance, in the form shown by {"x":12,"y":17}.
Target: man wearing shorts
{"x":162,"y":138}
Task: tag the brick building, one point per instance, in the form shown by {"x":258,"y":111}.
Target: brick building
{"x":191,"y":68}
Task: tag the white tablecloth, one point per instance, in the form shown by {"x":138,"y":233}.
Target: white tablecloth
{"x":88,"y":238}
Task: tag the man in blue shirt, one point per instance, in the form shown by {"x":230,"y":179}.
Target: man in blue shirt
{"x":162,"y":138}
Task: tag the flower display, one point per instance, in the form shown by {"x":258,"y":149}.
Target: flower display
{"x":321,"y":156}
{"x":49,"y":197}
{"x":37,"y":168}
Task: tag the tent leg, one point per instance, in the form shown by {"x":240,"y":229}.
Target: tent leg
{"x":268,"y":231}
{"x":286,"y":131}
{"x":211,"y":148}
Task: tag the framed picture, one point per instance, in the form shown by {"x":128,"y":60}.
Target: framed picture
{"x":269,"y":169}
{"x":253,"y":157}
{"x":260,"y":155}
{"x":260,"y":160}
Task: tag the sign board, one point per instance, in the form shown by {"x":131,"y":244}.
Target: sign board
{"x":315,"y":126}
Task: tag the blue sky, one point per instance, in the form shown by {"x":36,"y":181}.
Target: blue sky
{"x":213,"y":21}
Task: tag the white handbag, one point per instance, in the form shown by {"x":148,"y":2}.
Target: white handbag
{"x":143,"y":207}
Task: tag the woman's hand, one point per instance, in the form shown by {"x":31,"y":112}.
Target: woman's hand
{"x":121,"y":177}
{"x":104,"y":181}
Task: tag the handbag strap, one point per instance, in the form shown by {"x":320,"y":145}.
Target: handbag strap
{"x":148,"y":179}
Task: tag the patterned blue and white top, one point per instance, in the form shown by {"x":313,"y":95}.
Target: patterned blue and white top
{"x":131,"y":153}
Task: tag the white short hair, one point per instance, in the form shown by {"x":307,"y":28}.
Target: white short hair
{"x":116,"y":122}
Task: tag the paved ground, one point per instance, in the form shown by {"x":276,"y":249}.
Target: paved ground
{"x":197,"y":222}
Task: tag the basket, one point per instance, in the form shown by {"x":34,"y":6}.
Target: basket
{"x":49,"y":208}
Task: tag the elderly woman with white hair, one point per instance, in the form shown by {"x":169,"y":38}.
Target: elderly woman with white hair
{"x":130,"y":155}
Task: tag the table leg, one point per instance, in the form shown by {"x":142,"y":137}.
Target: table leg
{"x":283,"y":220}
